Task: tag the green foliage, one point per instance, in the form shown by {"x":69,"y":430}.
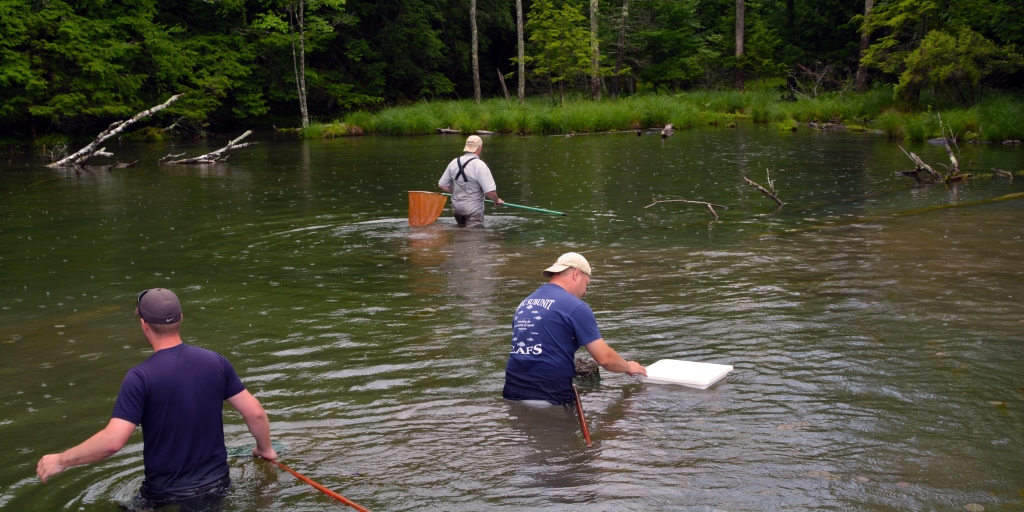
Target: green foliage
{"x":74,"y":66}
{"x":148,"y":134}
{"x":954,"y":67}
{"x":673,"y":50}
{"x":559,"y":42}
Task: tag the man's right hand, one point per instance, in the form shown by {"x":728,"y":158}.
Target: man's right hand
{"x":268,"y":454}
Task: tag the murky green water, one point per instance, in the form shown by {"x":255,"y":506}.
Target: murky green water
{"x":876,"y":327}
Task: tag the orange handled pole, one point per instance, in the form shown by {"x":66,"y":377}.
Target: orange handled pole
{"x":583,"y":419}
{"x":320,"y":488}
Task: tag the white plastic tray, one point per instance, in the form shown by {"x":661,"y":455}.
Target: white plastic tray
{"x":688,"y":373}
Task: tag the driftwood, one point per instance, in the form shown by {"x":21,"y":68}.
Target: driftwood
{"x":485,"y":132}
{"x":1003,"y":174}
{"x":953,"y":173}
{"x":919,"y":166}
{"x":169,"y":156}
{"x":449,"y":131}
{"x":711,"y":206}
{"x":215,"y":156}
{"x":772,"y":194}
{"x":122,"y":165}
{"x":93,"y":149}
{"x":667,"y":131}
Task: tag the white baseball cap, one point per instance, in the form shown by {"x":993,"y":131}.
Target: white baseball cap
{"x":472,"y":142}
{"x":568,"y":260}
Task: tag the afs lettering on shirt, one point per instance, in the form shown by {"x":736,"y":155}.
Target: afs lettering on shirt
{"x":523,"y":323}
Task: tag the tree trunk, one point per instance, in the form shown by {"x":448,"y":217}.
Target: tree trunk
{"x":865,"y":42}
{"x":522,"y":64}
{"x":299,"y":62}
{"x":595,"y":54}
{"x":739,"y":44}
{"x":476,"y":56}
{"x":622,"y":49}
{"x":93,"y":148}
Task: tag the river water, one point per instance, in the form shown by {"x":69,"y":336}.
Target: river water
{"x":875,"y":326}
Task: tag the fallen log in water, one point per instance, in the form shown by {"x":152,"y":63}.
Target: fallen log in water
{"x":215,"y":156}
{"x":83,"y":155}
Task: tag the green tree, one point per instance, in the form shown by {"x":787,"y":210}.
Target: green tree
{"x":674,"y":51}
{"x":560,"y":42}
{"x":953,"y":67}
{"x":307,"y":24}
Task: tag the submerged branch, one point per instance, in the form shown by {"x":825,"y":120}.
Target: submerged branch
{"x":764,"y":191}
{"x":711,"y":206}
{"x":215,"y":156}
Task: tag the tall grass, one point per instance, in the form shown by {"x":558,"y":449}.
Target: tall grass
{"x":997,"y":118}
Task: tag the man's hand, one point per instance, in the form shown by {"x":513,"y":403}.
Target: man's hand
{"x":636,"y":368}
{"x":264,"y":454}
{"x":48,"y":466}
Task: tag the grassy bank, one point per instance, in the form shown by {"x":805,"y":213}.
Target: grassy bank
{"x":998,"y":118}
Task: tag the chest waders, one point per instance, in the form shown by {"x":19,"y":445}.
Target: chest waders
{"x":460,"y":219}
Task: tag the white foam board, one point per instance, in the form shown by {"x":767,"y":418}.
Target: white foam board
{"x":688,"y":373}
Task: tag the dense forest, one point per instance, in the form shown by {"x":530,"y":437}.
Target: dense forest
{"x":73,"y":67}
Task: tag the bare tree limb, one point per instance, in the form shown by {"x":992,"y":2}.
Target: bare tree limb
{"x":711,"y":206}
{"x":83,"y":155}
{"x":767,"y":193}
{"x":921,"y":166}
{"x":216,"y":156}
{"x":169,"y":156}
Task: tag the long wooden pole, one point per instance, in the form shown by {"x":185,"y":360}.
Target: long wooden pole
{"x":321,"y":488}
{"x":583,"y":419}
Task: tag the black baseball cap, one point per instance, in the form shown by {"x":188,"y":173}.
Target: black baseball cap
{"x":158,"y":306}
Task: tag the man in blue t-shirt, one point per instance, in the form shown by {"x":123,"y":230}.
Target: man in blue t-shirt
{"x":177,"y":395}
{"x":547,"y":329}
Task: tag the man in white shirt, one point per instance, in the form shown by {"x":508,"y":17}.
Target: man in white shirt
{"x":468,"y":179}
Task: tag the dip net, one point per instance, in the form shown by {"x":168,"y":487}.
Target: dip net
{"x":425,"y":207}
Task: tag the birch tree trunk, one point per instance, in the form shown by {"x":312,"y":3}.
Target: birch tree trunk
{"x":595,"y":54}
{"x":522,"y":65}
{"x":622,"y":49}
{"x":739,"y":44}
{"x":865,"y":42}
{"x":476,"y":56}
{"x":299,"y":62}
{"x":83,"y":155}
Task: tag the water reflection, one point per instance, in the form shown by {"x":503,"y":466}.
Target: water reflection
{"x":552,"y":454}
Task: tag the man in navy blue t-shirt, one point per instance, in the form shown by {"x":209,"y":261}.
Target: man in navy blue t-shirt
{"x":547,"y":329}
{"x":177,"y":395}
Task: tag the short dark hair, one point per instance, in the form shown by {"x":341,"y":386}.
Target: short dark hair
{"x":162,"y":330}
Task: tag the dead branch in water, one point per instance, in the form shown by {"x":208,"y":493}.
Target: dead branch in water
{"x":767,"y":193}
{"x":711,"y":206}
{"x":216,"y":156}
{"x":83,"y":155}
{"x":919,"y":165}
{"x":954,"y":173}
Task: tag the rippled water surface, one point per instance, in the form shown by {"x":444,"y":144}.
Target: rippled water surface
{"x":876,"y":326}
